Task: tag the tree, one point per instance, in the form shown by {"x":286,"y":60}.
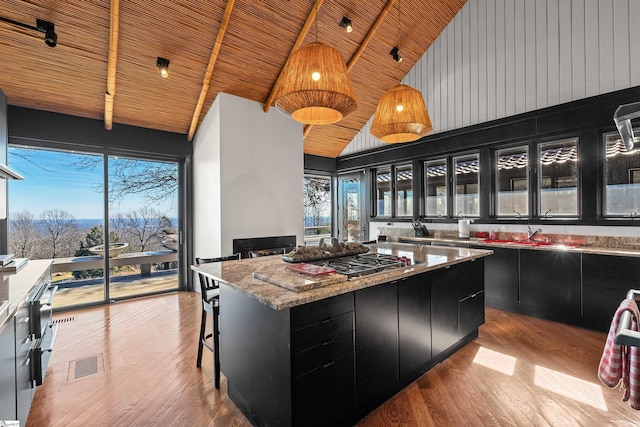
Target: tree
{"x":156,"y":181}
{"x":59,"y":228}
{"x":317,"y":197}
{"x":142,"y":228}
{"x":93,"y":238}
{"x":24,"y":234}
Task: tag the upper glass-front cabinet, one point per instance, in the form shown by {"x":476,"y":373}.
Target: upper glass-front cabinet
{"x":512,"y":182}
{"x":466,"y":200}
{"x":621,"y":178}
{"x":404,"y":190}
{"x":558,"y":178}
{"x":383,"y":192}
{"x":435,"y":184}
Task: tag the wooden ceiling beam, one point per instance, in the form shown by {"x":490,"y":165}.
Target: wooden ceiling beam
{"x":114,"y":28}
{"x":296,"y":45}
{"x":362,"y":47}
{"x":209,"y":73}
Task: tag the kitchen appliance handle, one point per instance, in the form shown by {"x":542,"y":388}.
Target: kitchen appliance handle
{"x":54,"y":332}
{"x":54,"y":289}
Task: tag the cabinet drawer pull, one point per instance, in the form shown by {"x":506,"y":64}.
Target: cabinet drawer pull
{"x":331,"y":341}
{"x":327,"y":320}
{"x":326,"y":365}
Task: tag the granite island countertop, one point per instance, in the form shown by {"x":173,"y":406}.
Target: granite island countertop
{"x":239,"y":274}
{"x":15,"y":287}
{"x":632,"y":250}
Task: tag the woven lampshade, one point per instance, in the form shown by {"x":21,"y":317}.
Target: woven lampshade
{"x":316,"y":102}
{"x":393,"y":126}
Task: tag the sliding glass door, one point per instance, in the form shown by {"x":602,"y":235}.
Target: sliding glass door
{"x":67,"y":205}
{"x":143,"y":226}
{"x":351,"y":224}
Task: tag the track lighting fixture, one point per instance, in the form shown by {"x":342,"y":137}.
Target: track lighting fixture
{"x":163,"y":65}
{"x":346,"y":24}
{"x":46,"y":27}
{"x":395,"y":54}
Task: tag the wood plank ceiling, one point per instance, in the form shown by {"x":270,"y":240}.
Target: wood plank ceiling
{"x":237,"y":47}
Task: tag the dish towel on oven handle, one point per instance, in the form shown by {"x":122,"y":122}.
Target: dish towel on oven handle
{"x":620,"y":362}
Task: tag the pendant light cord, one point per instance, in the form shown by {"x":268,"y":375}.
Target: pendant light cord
{"x":399,"y":37}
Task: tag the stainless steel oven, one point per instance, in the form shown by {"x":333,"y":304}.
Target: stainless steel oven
{"x":42,"y":328}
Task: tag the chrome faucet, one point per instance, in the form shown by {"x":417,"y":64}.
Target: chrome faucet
{"x":531,"y":233}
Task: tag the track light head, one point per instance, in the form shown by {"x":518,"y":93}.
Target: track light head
{"x":48,"y":28}
{"x":395,"y":54}
{"x":163,"y":65}
{"x":346,"y":24}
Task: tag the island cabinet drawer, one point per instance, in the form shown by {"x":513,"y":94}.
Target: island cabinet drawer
{"x":319,"y":311}
{"x":325,"y":396}
{"x":321,"y":332}
{"x":323,"y":355}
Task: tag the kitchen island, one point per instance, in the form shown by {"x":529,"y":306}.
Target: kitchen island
{"x":330,"y":355}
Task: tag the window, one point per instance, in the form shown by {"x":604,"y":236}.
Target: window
{"x":59,"y":213}
{"x":404,"y":190}
{"x":558,"y":178}
{"x":622,"y":178}
{"x":435,"y":184}
{"x":317,"y":208}
{"x":383,"y":192}
{"x":512,"y":182}
{"x":467,"y":185}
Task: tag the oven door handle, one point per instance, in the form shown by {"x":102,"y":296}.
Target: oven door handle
{"x":54,"y":289}
{"x":54,"y":332}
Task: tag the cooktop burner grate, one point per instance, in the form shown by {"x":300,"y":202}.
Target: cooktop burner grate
{"x":361,"y":265}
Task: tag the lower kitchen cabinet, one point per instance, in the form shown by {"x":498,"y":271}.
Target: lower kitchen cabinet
{"x":8,"y":372}
{"x":606,"y":280}
{"x":376,"y":344}
{"x":550,"y":285}
{"x":414,"y":325}
{"x":501,"y":279}
{"x":470,"y":298}
{"x":444,"y":308}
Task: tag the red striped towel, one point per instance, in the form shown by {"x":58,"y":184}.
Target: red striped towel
{"x":620,"y":362}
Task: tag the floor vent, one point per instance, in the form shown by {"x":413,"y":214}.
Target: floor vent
{"x":86,"y":367}
{"x":64,"y":320}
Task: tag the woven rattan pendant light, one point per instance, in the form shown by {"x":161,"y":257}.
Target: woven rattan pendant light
{"x":316,"y":88}
{"x":401,"y":114}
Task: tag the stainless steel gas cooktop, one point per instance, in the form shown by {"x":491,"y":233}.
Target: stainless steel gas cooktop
{"x":364,"y":264}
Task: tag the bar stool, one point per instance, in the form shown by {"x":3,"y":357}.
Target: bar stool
{"x":210,"y":291}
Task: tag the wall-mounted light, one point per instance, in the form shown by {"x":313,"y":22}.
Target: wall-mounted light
{"x":346,"y":24}
{"x":395,"y":54}
{"x":163,"y":65}
{"x":46,"y":27}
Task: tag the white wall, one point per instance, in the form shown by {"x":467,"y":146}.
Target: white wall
{"x":498,"y":58}
{"x":248,"y":169}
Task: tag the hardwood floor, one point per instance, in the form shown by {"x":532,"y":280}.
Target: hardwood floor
{"x":133,"y":363}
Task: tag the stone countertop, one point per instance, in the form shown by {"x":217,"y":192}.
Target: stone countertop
{"x":239,"y":274}
{"x":632,"y":250}
{"x":15,"y":287}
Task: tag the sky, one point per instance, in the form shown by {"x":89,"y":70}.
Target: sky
{"x":52,"y":182}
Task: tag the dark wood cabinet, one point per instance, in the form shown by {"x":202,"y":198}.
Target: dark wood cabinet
{"x":414,"y":325}
{"x":605,"y":282}
{"x":550,"y":285}
{"x":501,"y":278}
{"x":376,"y":344}
{"x":323,"y":361}
{"x":470,"y":297}
{"x":444,"y":308}
{"x":7,"y":372}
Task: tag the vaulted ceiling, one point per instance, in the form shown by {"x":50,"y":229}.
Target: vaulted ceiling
{"x":104,"y":64}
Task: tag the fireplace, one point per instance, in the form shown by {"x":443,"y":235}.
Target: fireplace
{"x":263,"y":245}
